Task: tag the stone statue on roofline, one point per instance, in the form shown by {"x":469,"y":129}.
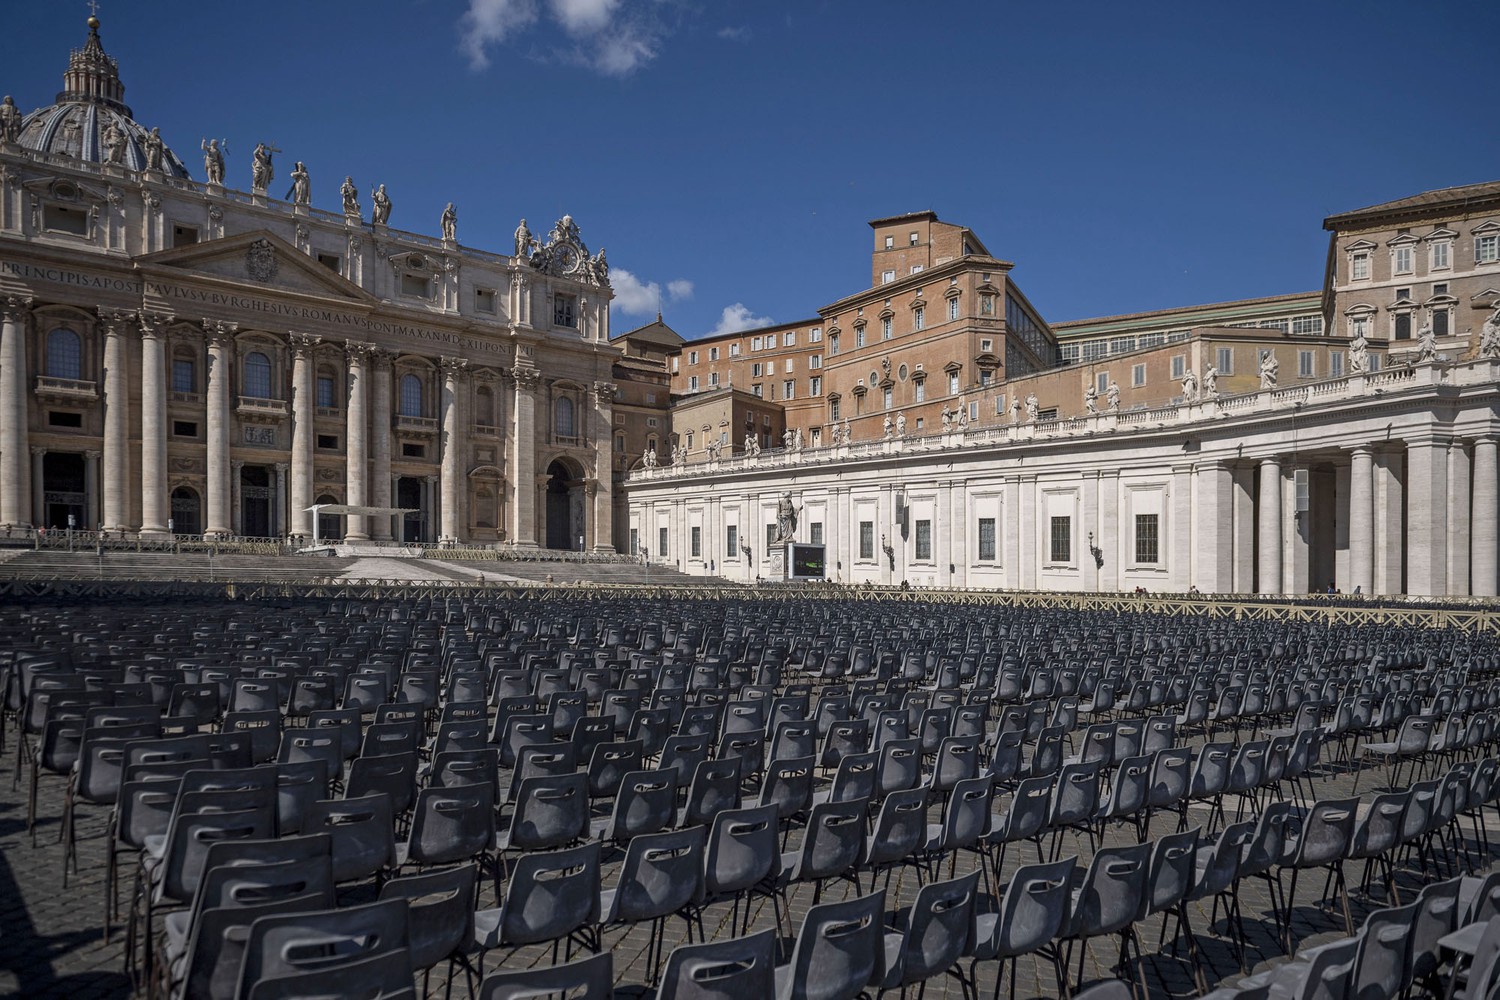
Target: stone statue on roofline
{"x":1426,"y":343}
{"x":262,"y":170}
{"x":213,"y":160}
{"x":349,"y":194}
{"x":1189,"y":387}
{"x":301,"y":185}
{"x":1489,"y":336}
{"x":156,"y":149}
{"x":901,"y":425}
{"x":114,"y":143}
{"x":848,"y":432}
{"x":1269,"y":369}
{"x":1359,"y":353}
{"x":1091,"y":399}
{"x":1211,"y":382}
{"x":650,"y":457}
{"x":1033,"y":408}
{"x":1112,"y":394}
{"x":380,"y":214}
{"x":449,"y":224}
{"x":885,"y":427}
{"x":10,"y":120}
{"x":525,"y":242}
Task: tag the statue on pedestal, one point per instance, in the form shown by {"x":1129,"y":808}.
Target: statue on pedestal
{"x":1359,"y":354}
{"x":1269,"y":368}
{"x":449,"y":224}
{"x":1211,"y":382}
{"x":901,"y":425}
{"x":1091,"y":399}
{"x":213,"y":160}
{"x":963,"y":417}
{"x":1489,"y":336}
{"x":1189,"y":387}
{"x":350,"y":196}
{"x":650,"y":457}
{"x":885,"y":427}
{"x":848,"y":432}
{"x":262,"y":170}
{"x":1033,"y":408}
{"x":786,"y":520}
{"x":301,"y":186}
{"x":380,"y":214}
{"x":1426,"y":343}
{"x":947,"y":419}
{"x":525,"y":242}
{"x":1112,"y":394}
{"x":114,"y":143}
{"x":10,"y":120}
{"x":155,"y":148}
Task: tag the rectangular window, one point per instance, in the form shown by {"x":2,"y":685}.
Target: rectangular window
{"x":734,"y":350}
{"x":484,"y":300}
{"x":885,"y":328}
{"x":987,"y":304}
{"x":890,"y":242}
{"x":789,"y":339}
{"x":1335,"y":364}
{"x":1402,"y":260}
{"x":953,"y":383}
{"x":410,"y":450}
{"x":65,"y":219}
{"x":924,"y":541}
{"x":770,"y":537}
{"x":732,"y":541}
{"x":1359,"y":326}
{"x":1440,"y":322}
{"x":713,"y":354}
{"x":1101,"y":382}
{"x":834,"y":408}
{"x":867,"y":539}
{"x":1224,"y":360}
{"x":328,"y":442}
{"x":635,"y":541}
{"x":919,"y":390}
{"x":815,"y":386}
{"x":325,"y":392}
{"x":183,"y":236}
{"x":886,"y":277}
{"x":419,"y":286}
{"x":986,"y":539}
{"x":1307,"y":324}
{"x":833,"y":343}
{"x":1402,"y":326}
{"x":564,"y":313}
{"x":815,"y":532}
{"x":332,"y":261}
{"x":713,"y":379}
{"x":953,"y":308}
{"x":1179,"y":365}
{"x":1359,"y":267}
{"x":887,"y":397}
{"x":859,"y":338}
{"x":1487,"y":249}
{"x":1374,"y":363}
{"x":815,"y":362}
{"x":184,"y":428}
{"x":183,"y":375}
{"x":918,"y":318}
{"x":755,"y":370}
{"x":788,"y":389}
{"x":1146,"y":548}
{"x":1441,"y":255}
{"x":695,"y":542}
{"x":661,"y":543}
{"x":1062,"y":539}
{"x":973,"y":411}
{"x":1138,"y":375}
{"x":789,"y":365}
{"x":914,"y":237}
{"x":815,"y":335}
{"x":754,"y":343}
{"x":692,"y":383}
{"x":1306,"y":367}
{"x":692,"y":357}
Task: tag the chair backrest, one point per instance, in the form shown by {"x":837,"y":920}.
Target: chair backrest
{"x":900,"y":765}
{"x":550,"y":811}
{"x":788,"y":785}
{"x":1034,"y":907}
{"x":441,"y":909}
{"x":593,"y":976}
{"x":304,"y":942}
{"x":938,"y":927}
{"x":216,"y":943}
{"x":1380,"y":828}
{"x":715,"y":786}
{"x":1327,"y":832}
{"x":1268,"y":845}
{"x":1437,"y":917}
{"x":386,"y":975}
{"x":1110,"y":897}
{"x":735,"y":969}
{"x":236,"y":816}
{"x":662,"y":873}
{"x":1173,"y":871}
{"x":742,"y":850}
{"x":1075,"y":797}
{"x":833,"y":841}
{"x":646,"y":802}
{"x":550,"y":895}
{"x":1384,"y":955}
{"x":839,"y":950}
{"x":451,"y":824}
{"x":900,"y":827}
{"x":363,"y":832}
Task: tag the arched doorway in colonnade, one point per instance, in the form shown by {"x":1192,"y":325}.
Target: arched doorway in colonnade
{"x":564,"y":507}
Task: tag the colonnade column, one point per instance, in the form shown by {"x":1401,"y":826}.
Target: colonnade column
{"x":155,"y":507}
{"x":453,"y":465}
{"x":604,"y":474}
{"x":1362,"y":519}
{"x":1180,"y":551}
{"x":1213,"y":552}
{"x":356,"y":437}
{"x":1269,"y":521}
{"x":116,"y":513}
{"x":1484,"y":560}
{"x":15,"y":503}
{"x":1426,"y":516}
{"x":220,"y":348}
{"x":1458,"y":520}
{"x":304,"y":412}
{"x":380,"y":442}
{"x":523,"y":458}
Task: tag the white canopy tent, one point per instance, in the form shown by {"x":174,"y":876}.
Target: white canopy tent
{"x":344,"y":509}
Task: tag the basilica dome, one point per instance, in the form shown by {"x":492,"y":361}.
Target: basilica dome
{"x":92,"y":99}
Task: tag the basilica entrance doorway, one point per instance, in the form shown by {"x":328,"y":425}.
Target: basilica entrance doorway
{"x":187,"y":511}
{"x":564,"y":508}
{"x":257,"y":502}
{"x":411,"y":492}
{"x":63,"y":490}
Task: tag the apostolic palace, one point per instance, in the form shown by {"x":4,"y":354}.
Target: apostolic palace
{"x":184,"y":355}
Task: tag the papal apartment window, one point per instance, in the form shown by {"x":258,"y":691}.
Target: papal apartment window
{"x":1146,"y":538}
{"x":754,"y":343}
{"x":953,"y":308}
{"x":1306,"y":366}
{"x":661,"y":542}
{"x":790,"y":365}
{"x":887,"y":397}
{"x":1441,"y":256}
{"x":756,"y":369}
{"x":953,"y":383}
{"x":833,"y":343}
{"x":565,"y":311}
{"x":867,"y":539}
{"x":815,"y":386}
{"x":184,"y":375}
{"x":1224,"y":360}
{"x":692,"y":357}
{"x":834,"y":409}
{"x":885,"y":328}
{"x":713,"y":354}
{"x":918,"y":318}
{"x":1179,"y":365}
{"x":695,"y":541}
{"x":1401,"y":260}
{"x":919,"y":390}
{"x":732,"y":541}
{"x":257,"y":378}
{"x":913,"y":239}
{"x":986,"y":539}
{"x":987,"y":304}
{"x":1137,"y":375}
{"x":1487,"y":248}
{"x":789,"y":338}
{"x":924,"y":541}
{"x":325,"y":392}
{"x":890,"y":242}
{"x":1359,"y":267}
{"x":886,"y":277}
{"x":1062,"y":540}
{"x":692,"y":383}
{"x":64,"y":354}
{"x":789,"y":389}
{"x":815,"y":335}
{"x":859,"y":338}
{"x":713,"y":379}
{"x":734,"y":350}
{"x":1335,"y":364}
{"x":815,"y":362}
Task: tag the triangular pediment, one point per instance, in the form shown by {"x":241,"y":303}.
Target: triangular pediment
{"x":257,"y":259}
{"x":1360,"y":245}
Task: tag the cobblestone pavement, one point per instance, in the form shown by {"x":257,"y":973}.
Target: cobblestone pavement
{"x":52,"y":942}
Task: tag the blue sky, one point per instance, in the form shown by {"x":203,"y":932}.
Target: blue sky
{"x":729,"y":154}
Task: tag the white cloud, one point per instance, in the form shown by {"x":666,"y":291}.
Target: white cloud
{"x":736,"y":318}
{"x":632,"y":296}
{"x":738,"y":33}
{"x":490,"y":22}
{"x":680,"y":289}
{"x":623,"y":50}
{"x":584,"y":17}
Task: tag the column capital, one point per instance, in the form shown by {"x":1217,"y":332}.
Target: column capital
{"x":220,"y":333}
{"x":237,"y":464}
{"x":527,"y":379}
{"x":153,"y":325}
{"x":38,"y":450}
{"x":543,"y":480}
{"x":358,"y":351}
{"x":15,"y":308}
{"x":604,"y":393}
{"x":1362,"y":449}
{"x":94,"y":455}
{"x":453,"y":368}
{"x":382,"y":358}
{"x":114,"y":320}
{"x":282,"y":467}
{"x":302,"y":344}
{"x":430,"y":480}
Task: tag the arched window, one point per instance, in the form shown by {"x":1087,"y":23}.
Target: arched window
{"x":411,"y":396}
{"x":326,"y":388}
{"x":257,"y":376}
{"x":184,"y":371}
{"x":484,"y":407}
{"x":64,"y":354}
{"x":564,"y":417}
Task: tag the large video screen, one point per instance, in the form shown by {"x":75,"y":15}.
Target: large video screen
{"x":806,"y":563}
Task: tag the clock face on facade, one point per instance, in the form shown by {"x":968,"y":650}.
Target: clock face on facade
{"x":568,"y":258}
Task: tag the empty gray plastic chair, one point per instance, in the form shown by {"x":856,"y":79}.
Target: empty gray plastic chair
{"x":1382,"y":965}
{"x":662,"y":875}
{"x":384,"y":976}
{"x":831,"y":847}
{"x":736,"y":969}
{"x":1324,"y":841}
{"x":442,"y":916}
{"x":550,"y":896}
{"x":742,"y":853}
{"x":310,"y":942}
{"x":590,"y":978}
{"x":839,"y":951}
{"x":1109,"y":900}
{"x":900,"y":831}
{"x":938,"y":927}
{"x":645,"y":802}
{"x":1031,"y":914}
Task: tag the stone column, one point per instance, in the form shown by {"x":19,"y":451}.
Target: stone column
{"x":91,"y":516}
{"x":220,"y":425}
{"x":1484,"y":559}
{"x":1269,"y":520}
{"x":380,"y":441}
{"x":452,"y":443}
{"x":304,"y":412}
{"x":116,"y":398}
{"x":1030,"y":532}
{"x":38,"y":487}
{"x":279,"y":530}
{"x":1213,"y":555}
{"x":236,"y":480}
{"x":523,"y":458}
{"x":1458,"y":520}
{"x":15,"y":505}
{"x":1111,"y":527}
{"x":356,"y":437}
{"x":1426,"y":516}
{"x":1180,"y":551}
{"x":1243,"y":503}
{"x":155,"y":505}
{"x":1387,"y":500}
{"x":602,"y":502}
